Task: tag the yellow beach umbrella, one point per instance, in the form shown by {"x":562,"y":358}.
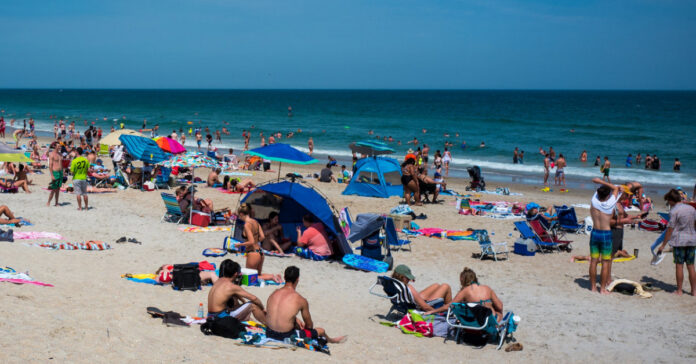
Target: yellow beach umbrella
{"x":112,"y":138}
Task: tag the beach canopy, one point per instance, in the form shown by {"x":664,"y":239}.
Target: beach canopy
{"x":191,"y":160}
{"x":370,"y":148}
{"x":170,"y":145}
{"x":113,"y":138}
{"x":282,"y":153}
{"x":9,"y":154}
{"x":292,"y":201}
{"x":376,"y":177}
{"x":143,"y":149}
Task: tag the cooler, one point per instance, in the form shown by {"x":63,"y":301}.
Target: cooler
{"x":200,"y":218}
{"x":250,"y":277}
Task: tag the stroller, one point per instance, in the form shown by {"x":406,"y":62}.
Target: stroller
{"x":477,"y":183}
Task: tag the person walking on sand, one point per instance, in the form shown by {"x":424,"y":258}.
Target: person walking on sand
{"x":282,"y":308}
{"x":602,"y":208}
{"x":547,"y":163}
{"x":310,"y":145}
{"x":78,"y":168}
{"x":605,"y":169}
{"x":55,"y":167}
{"x":681,"y":235}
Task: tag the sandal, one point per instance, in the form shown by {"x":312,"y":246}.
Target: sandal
{"x":134,"y":241}
{"x":121,"y":239}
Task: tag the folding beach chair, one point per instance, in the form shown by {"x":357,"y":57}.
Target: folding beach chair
{"x":568,"y":220}
{"x":393,"y":237}
{"x":396,"y":292}
{"x":162,"y":178}
{"x":527,"y":233}
{"x":345,"y":221}
{"x":476,"y":324}
{"x":489,"y":248}
{"x":103,"y":150}
{"x":548,"y":236}
{"x":173,"y":212}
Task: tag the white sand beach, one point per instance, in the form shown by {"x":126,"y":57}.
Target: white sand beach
{"x":93,"y":315}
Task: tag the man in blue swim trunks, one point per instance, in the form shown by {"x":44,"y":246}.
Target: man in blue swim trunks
{"x":227,"y":298}
{"x":282,"y":308}
{"x":602,"y":209}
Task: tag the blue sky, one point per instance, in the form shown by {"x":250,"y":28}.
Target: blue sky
{"x":479,"y":44}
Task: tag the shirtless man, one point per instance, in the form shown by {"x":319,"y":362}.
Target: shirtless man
{"x":424,"y":153}
{"x":55,"y":166}
{"x":213,"y":177}
{"x":602,"y":209}
{"x":559,"y":178}
{"x":605,"y":169}
{"x":227,"y":298}
{"x":283,"y":306}
{"x":547,"y":163}
{"x":583,"y":156}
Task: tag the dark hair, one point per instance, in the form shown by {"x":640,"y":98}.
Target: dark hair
{"x":309,"y":218}
{"x":408,"y":161}
{"x":79,"y":150}
{"x":228,"y":268}
{"x":603,"y":192}
{"x":225,"y":180}
{"x":328,"y":165}
{"x":272,"y":215}
{"x":245,"y":209}
{"x":292,"y":273}
{"x":218,"y":170}
{"x":673,"y":196}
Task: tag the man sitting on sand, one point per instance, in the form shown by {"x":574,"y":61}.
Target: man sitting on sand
{"x":213,"y":178}
{"x":227,"y":298}
{"x":602,"y":208}
{"x":282,"y":308}
{"x":11,"y":219}
{"x":326,"y":175}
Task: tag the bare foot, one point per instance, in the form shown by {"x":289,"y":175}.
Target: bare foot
{"x":338,"y":340}
{"x":604,"y":292}
{"x":678,"y":292}
{"x":419,"y":204}
{"x":593,"y":289}
{"x":79,"y":208}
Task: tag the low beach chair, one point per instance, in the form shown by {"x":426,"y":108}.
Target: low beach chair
{"x":527,"y":233}
{"x":476,"y":324}
{"x":489,"y":248}
{"x":568,"y":220}
{"x":549,"y":236}
{"x":162,"y":178}
{"x":103,"y":150}
{"x":396,"y":292}
{"x":393,"y":236}
{"x":173,"y":212}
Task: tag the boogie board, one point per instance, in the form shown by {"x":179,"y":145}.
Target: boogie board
{"x":365,"y":263}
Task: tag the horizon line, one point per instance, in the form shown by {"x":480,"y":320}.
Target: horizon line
{"x":334,"y":89}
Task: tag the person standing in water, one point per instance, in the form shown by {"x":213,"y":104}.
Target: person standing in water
{"x":583,"y":156}
{"x":446,"y":160}
{"x":605,"y":169}
{"x":547,"y":164}
{"x":310,"y":145}
{"x":677,"y":165}
{"x":629,"y":161}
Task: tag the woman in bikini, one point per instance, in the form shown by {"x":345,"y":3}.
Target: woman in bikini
{"x":473,"y":292}
{"x":253,"y":237}
{"x":409,"y":179}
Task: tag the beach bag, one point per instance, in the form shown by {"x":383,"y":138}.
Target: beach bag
{"x":7,"y":235}
{"x":413,"y":323}
{"x":185,"y":277}
{"x":228,"y":327}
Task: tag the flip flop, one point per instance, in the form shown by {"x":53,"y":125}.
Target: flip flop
{"x":121,"y":239}
{"x":134,"y":241}
{"x":658,"y":258}
{"x":155,"y":312}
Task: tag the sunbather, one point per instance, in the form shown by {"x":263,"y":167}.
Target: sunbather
{"x":227,"y":298}
{"x":183,"y":196}
{"x":432,"y":295}
{"x":235,"y":185}
{"x":282,"y":308}
{"x":617,"y":254}
{"x":92,"y":189}
{"x":546,"y":219}
{"x":253,"y":236}
{"x":11,"y":219}
{"x":275,"y":241}
{"x":164,"y":275}
{"x":473,"y":292}
{"x":213,"y":177}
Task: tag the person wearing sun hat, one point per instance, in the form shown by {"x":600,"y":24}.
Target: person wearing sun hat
{"x":428,"y":299}
{"x":546,"y":219}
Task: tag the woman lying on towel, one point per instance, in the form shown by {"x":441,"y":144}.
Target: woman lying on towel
{"x":92,"y":189}
{"x":434,"y":295}
{"x":235,"y":185}
{"x":473,"y":292}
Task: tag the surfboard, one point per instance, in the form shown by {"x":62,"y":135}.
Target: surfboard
{"x":364,"y":263}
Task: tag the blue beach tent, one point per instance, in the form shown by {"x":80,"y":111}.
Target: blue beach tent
{"x":376,"y":177}
{"x":293,"y":200}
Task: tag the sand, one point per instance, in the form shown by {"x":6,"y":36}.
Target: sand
{"x":93,"y":315}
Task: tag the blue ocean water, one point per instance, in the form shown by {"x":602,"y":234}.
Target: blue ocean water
{"x":605,"y":123}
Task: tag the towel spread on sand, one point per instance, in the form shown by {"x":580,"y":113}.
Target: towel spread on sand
{"x":199,"y":229}
{"x":440,"y":233}
{"x":19,"y":235}
{"x":89,"y":245}
{"x":8,"y":274}
{"x":227,"y":191}
{"x":12,"y":226}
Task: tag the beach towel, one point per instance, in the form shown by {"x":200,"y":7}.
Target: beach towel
{"x":255,"y":335}
{"x":214,"y":252}
{"x":401,"y":210}
{"x":199,"y":229}
{"x":274,"y":254}
{"x":615,"y":260}
{"x":441,"y":233}
{"x":12,"y":226}
{"x":10,"y":275}
{"x":19,"y":235}
{"x":502,"y":192}
{"x":88,"y":245}
{"x":228,"y":192}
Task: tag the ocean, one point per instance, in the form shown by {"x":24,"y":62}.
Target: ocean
{"x":604,"y":123}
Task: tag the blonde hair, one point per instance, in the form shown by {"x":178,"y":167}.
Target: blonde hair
{"x":244,"y":209}
{"x":467,"y":277}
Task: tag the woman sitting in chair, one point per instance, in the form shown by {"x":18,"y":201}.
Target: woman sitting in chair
{"x":434,"y":294}
{"x":183,"y":196}
{"x":473,"y":292}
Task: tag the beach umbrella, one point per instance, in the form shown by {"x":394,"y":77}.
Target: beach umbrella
{"x":170,"y":145}
{"x":191,"y":160}
{"x":113,"y":138}
{"x":371,"y":148}
{"x":143,"y":149}
{"x":282,"y":153}
{"x":9,"y":154}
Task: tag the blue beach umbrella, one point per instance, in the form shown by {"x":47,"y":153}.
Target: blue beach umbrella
{"x":143,"y":149}
{"x":282,"y":153}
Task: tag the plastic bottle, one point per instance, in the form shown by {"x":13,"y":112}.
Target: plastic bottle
{"x":200,"y":310}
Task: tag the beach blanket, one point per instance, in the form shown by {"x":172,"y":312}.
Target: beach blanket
{"x":88,"y":245}
{"x":12,"y":226}
{"x":199,"y":229}
{"x":500,"y":191}
{"x":147,"y":278}
{"x":247,"y":174}
{"x":441,"y":233}
{"x":19,"y":235}
{"x":228,"y":192}
{"x":10,"y":275}
{"x":256,"y":336}
{"x":274,"y":254}
{"x":615,"y":260}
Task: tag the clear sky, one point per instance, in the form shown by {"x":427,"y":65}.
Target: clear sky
{"x":531,"y":44}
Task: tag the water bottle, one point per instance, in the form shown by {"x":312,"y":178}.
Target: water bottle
{"x":200,"y":310}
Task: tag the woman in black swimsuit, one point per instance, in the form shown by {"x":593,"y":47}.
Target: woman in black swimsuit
{"x":253,"y":236}
{"x":409,"y":178}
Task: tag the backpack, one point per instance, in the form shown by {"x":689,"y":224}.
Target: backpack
{"x":228,"y":327}
{"x":186,"y":277}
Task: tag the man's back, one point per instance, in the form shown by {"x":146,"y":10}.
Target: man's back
{"x":283,"y":306}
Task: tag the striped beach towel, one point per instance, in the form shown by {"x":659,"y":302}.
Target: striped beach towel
{"x":88,"y":245}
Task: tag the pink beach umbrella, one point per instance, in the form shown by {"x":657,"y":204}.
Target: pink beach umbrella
{"x":170,"y":145}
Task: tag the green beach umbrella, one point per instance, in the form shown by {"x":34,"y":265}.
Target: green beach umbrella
{"x":280,"y":152}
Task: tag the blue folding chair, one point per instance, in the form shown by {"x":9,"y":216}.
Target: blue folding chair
{"x":396,"y":292}
{"x":477,"y":324}
{"x":528,"y":233}
{"x":568,"y":220}
{"x":173,"y":211}
{"x":162,"y":179}
{"x":393,"y":237}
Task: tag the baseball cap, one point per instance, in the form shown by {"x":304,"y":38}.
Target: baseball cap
{"x":405,"y":271}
